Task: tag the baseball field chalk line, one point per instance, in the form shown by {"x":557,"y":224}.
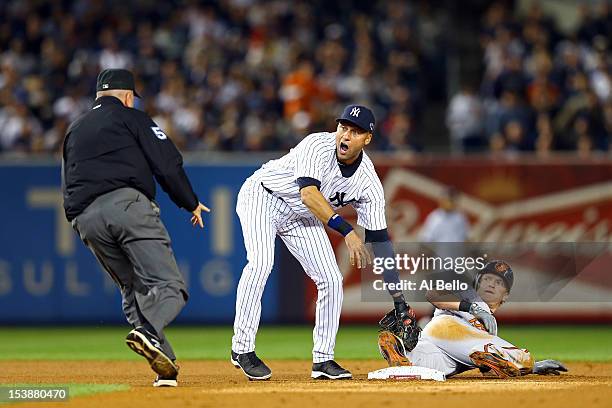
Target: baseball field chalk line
{"x":392,"y":386}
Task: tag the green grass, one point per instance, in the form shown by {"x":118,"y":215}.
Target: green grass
{"x":567,"y":343}
{"x":74,"y":390}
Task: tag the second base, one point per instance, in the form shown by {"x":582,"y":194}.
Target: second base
{"x":407,"y":373}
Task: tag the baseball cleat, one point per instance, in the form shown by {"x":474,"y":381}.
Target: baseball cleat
{"x":392,"y":349}
{"x":329,"y":370}
{"x":147,"y":345}
{"x":251,"y":366}
{"x":491,"y":358}
{"x":165,"y":382}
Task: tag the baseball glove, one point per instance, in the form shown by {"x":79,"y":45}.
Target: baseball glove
{"x":403,"y":325}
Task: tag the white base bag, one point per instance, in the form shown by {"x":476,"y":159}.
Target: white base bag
{"x":407,"y":373}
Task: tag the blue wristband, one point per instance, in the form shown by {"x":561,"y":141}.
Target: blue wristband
{"x":339,"y":224}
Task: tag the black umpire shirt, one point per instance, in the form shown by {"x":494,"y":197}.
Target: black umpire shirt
{"x":113,"y":146}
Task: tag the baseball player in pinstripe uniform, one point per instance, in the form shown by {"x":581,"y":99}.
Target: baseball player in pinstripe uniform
{"x":294,"y":197}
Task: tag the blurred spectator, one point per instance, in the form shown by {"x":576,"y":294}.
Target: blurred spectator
{"x":510,"y":108}
{"x":512,"y":138}
{"x":542,"y":94}
{"x":447,"y":223}
{"x":544,"y":91}
{"x":258,"y":75}
{"x":600,"y":79}
{"x":607,"y":113}
{"x":229,"y":75}
{"x":399,"y":131}
{"x":512,"y":78}
{"x":111,"y":56}
{"x":72,"y":104}
{"x":464,"y":119}
{"x":300,"y":92}
{"x":18,"y":127}
{"x":53,"y":138}
{"x":545,"y":137}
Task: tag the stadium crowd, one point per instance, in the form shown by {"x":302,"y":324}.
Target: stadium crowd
{"x":230,"y":75}
{"x":541,"y":90}
{"x":252,"y":75}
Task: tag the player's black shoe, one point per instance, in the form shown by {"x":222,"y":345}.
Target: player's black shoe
{"x":329,"y":370}
{"x":251,"y":366}
{"x":148,"y":345}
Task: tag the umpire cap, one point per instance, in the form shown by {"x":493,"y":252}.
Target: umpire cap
{"x":116,"y":79}
{"x":499,"y":268}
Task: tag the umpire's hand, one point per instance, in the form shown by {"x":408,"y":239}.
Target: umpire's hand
{"x":197,"y":215}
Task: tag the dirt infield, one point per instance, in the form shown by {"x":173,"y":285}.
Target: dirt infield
{"x":218,"y":384}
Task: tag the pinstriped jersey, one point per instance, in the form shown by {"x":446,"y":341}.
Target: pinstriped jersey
{"x":315,"y":157}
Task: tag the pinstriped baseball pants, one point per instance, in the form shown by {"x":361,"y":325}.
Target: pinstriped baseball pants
{"x":263,"y":216}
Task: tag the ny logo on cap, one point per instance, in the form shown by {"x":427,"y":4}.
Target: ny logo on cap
{"x":355,"y":112}
{"x":104,"y":86}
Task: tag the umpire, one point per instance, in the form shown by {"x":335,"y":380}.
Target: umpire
{"x":110,"y":156}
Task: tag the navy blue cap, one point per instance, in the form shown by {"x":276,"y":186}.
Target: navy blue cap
{"x":359,"y":116}
{"x":116,"y":79}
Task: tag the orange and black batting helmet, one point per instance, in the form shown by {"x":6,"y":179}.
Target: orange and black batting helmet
{"x":499,"y":268}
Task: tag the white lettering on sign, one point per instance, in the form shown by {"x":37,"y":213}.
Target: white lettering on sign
{"x":6,"y":284}
{"x":222,"y":230}
{"x":73,"y":286}
{"x":216,"y":278}
{"x":42,"y":285}
{"x":42,"y":197}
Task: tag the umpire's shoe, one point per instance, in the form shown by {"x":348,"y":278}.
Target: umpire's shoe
{"x":329,"y":370}
{"x":147,"y":345}
{"x":251,"y":366}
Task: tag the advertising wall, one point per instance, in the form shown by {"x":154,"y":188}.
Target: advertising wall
{"x":47,"y":275}
{"x":510,"y":202}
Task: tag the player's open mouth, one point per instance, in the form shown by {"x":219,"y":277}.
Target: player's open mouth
{"x":343,"y":148}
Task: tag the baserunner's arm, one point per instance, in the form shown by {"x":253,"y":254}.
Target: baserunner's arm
{"x":467,"y":302}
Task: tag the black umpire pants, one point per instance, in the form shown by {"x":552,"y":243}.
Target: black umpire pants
{"x":125,"y":233}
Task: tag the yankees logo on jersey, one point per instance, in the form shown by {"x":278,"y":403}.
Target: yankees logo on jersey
{"x":338,"y":200}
